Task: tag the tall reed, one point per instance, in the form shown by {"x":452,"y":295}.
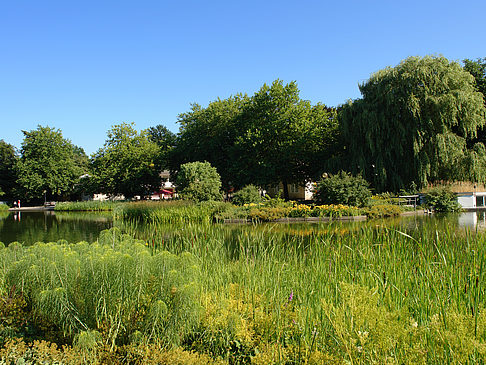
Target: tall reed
{"x":89,"y":206}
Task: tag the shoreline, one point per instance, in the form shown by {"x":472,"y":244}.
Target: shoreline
{"x":31,"y":209}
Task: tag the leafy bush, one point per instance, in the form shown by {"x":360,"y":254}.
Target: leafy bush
{"x":248,"y":194}
{"x":3,"y":207}
{"x":199,"y":181}
{"x":268,"y":214}
{"x":343,"y":188}
{"x":383,"y":211}
{"x":442,"y":200}
{"x":334,"y":210}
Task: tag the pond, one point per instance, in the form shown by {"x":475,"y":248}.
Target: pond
{"x":31,"y":227}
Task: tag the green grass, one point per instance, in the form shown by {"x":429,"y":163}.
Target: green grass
{"x":173,"y":212}
{"x":91,"y":205}
{"x":268,"y":293}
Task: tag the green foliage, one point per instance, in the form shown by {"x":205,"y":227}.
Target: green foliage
{"x":166,"y":140}
{"x":416,"y":122}
{"x":442,"y":199}
{"x":269,"y":294}
{"x":478,"y":70}
{"x":114,"y":286}
{"x":268,"y":214}
{"x":343,"y":188}
{"x":3,"y":207}
{"x":48,"y":163}
{"x":283,"y":138}
{"x":383,"y":211}
{"x":246,"y":195}
{"x":127,"y":164}
{"x":8,"y":172}
{"x":88,"y":206}
{"x":198,"y":181}
{"x":268,"y":138}
{"x":18,"y":351}
{"x":208,"y":134}
{"x":176,"y":211}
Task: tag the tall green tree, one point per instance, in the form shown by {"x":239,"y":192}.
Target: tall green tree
{"x":413,"y":123}
{"x":127,"y":163}
{"x":268,"y":138}
{"x":8,"y":172}
{"x":477,"y":68}
{"x":49,"y":164}
{"x":165,"y":139}
{"x":209,"y":134}
{"x":284,"y":138}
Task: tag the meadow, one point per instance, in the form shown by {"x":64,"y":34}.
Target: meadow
{"x":200,"y":293}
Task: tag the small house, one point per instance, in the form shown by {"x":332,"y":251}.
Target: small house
{"x":472,"y":200}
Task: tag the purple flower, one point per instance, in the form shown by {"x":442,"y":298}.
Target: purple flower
{"x":291,"y":296}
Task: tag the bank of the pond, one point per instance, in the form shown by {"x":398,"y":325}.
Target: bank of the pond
{"x":260,"y":295}
{"x":40,"y":208}
{"x":176,"y":211}
{"x":269,"y":211}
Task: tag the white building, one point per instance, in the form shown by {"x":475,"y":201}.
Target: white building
{"x":472,"y":200}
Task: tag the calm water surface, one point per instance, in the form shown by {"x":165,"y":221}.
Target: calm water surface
{"x":31,"y":227}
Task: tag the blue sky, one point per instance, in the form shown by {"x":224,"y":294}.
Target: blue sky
{"x":87,"y":65}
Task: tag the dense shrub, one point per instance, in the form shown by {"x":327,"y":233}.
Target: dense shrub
{"x":199,"y":181}
{"x":343,"y":188}
{"x":268,"y":214}
{"x":3,"y":207}
{"x":248,"y":194}
{"x":383,"y":211}
{"x":442,"y":200}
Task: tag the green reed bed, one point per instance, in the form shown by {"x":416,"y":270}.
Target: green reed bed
{"x":373,"y":295}
{"x":89,"y":206}
{"x":261,"y":294}
{"x":173,"y":212}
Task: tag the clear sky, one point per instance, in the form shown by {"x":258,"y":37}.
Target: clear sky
{"x":83,"y":66}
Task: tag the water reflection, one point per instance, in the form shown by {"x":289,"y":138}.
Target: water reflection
{"x":472,"y":220}
{"x":49,"y":226}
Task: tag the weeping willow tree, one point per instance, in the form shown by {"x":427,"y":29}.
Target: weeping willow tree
{"x":415,"y":123}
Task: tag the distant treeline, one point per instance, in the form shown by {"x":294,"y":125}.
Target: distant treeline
{"x":419,"y":122}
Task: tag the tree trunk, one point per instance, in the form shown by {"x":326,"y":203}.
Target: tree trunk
{"x":286,"y":190}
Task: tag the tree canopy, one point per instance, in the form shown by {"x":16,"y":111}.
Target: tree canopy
{"x":199,"y":181}
{"x":271,"y":137}
{"x":283,"y":138}
{"x":209,"y":134}
{"x":127,"y":163}
{"x":8,"y":172}
{"x":165,"y":139}
{"x":49,"y":163}
{"x":413,"y":123}
{"x":478,"y":70}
